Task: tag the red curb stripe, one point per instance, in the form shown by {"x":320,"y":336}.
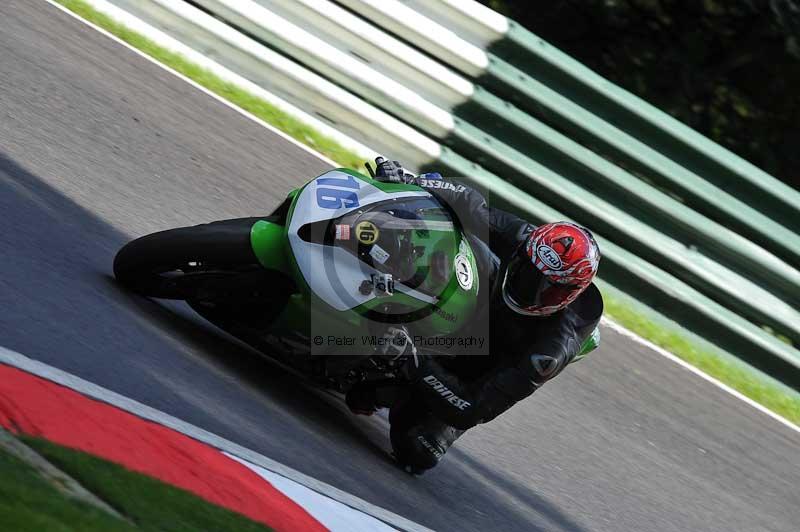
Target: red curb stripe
{"x":38,"y":407}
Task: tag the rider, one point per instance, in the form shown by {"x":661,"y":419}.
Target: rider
{"x":542,"y":304}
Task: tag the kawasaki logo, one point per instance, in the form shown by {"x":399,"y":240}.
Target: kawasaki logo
{"x":445,"y":392}
{"x":463,"y":272}
{"x":449,"y":316}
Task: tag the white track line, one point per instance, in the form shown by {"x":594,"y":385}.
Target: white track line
{"x":705,"y":376}
{"x":324,"y":509}
{"x":29,"y":365}
{"x":612,"y":324}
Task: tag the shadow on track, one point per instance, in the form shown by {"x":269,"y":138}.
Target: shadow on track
{"x":520,"y":494}
{"x":61,"y":307}
{"x":254,"y":369}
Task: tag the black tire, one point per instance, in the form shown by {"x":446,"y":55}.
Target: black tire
{"x":181,"y":263}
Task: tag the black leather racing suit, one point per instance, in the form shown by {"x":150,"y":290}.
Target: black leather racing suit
{"x":525,"y":351}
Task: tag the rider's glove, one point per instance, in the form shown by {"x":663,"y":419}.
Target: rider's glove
{"x":397,"y":349}
{"x":391,"y":171}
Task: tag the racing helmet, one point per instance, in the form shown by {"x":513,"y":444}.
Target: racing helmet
{"x":550,"y":269}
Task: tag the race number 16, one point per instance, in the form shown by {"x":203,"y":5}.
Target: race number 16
{"x":337,"y":193}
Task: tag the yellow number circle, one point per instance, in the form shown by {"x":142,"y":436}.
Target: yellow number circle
{"x":366,"y":232}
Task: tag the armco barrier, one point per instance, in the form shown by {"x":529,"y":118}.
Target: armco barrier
{"x":402,"y":76}
{"x":283,"y":76}
{"x":345,"y":31}
{"x":670,"y":137}
{"x":509,"y":124}
{"x":204,"y":61}
{"x":375,"y":86}
{"x":346,"y":70}
{"x":648,"y":203}
{"x":697,"y":156}
{"x":591,"y":119}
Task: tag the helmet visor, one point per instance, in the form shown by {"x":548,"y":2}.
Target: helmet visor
{"x":530,"y":291}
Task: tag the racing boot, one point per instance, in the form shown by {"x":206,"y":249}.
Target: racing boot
{"x":419,"y":440}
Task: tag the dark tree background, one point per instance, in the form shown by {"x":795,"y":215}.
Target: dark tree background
{"x":728,"y":68}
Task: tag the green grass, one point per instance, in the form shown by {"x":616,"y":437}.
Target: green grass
{"x":29,"y":503}
{"x":737,"y":375}
{"x":258,"y":107}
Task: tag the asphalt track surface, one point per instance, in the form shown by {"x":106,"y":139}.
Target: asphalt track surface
{"x":98,"y":145}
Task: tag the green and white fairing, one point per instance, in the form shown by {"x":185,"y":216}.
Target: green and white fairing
{"x":346,"y":235}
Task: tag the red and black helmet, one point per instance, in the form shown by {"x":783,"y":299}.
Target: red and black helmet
{"x":551,"y":269}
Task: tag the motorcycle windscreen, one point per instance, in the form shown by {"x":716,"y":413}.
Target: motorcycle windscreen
{"x":414,"y":240}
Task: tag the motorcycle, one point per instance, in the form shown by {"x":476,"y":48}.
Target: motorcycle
{"x":316,"y":284}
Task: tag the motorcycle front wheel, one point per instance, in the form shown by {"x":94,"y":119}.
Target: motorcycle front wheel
{"x":189,"y":262}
